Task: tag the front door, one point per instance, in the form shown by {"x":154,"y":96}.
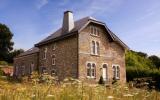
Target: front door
{"x":104,"y":73}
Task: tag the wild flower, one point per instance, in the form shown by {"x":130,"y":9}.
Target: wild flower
{"x":136,"y":93}
{"x":21,"y":89}
{"x":50,"y":95}
{"x":32,"y":96}
{"x":128,"y":95}
{"x":110,"y":97}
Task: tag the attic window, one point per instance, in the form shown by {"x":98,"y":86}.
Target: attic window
{"x":94,"y":31}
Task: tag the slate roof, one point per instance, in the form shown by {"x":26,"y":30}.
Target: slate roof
{"x":79,"y":24}
{"x":30,"y":51}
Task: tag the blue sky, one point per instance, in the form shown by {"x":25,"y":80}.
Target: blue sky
{"x":136,"y":22}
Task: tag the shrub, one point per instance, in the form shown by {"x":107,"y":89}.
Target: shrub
{"x":3,"y":63}
{"x":135,"y":72}
{"x":101,"y":81}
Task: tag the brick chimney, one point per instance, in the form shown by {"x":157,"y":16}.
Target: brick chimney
{"x":68,"y":22}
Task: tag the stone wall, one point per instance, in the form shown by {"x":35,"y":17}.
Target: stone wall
{"x":23,"y":64}
{"x":66,"y":54}
{"x":110,"y":53}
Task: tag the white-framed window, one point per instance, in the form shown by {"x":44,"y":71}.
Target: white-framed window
{"x":16,"y":70}
{"x":91,"y":70}
{"x":116,"y":71}
{"x":31,"y":68}
{"x":23,"y":70}
{"x":45,"y":53}
{"x":44,"y":70}
{"x":54,"y":46}
{"x":94,"y":31}
{"x":53,"y":72}
{"x":105,"y":71}
{"x":95,"y":48}
{"x":53,"y":59}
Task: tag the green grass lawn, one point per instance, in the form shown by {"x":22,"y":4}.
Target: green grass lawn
{"x":74,"y":91}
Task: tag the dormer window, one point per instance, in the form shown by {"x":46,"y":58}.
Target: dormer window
{"x":94,"y":31}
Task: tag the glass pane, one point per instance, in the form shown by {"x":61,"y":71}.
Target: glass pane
{"x":95,"y":31}
{"x":93,"y":72}
{"x":114,"y":72}
{"x":88,"y":72}
{"x":118,"y":72}
{"x":91,"y":29}
{"x":97,"y":47}
{"x":93,"y":47}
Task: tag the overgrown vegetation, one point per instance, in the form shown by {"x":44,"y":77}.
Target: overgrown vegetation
{"x":71,"y":89}
{"x":6,"y":45}
{"x":139,"y":64}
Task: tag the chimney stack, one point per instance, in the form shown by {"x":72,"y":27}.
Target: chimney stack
{"x":68,"y":22}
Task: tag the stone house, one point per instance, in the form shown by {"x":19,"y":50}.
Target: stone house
{"x":84,"y":49}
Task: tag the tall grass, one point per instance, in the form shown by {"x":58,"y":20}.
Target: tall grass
{"x":72,"y":91}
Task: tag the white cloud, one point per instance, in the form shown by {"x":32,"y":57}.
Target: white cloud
{"x":41,"y":3}
{"x":99,"y":7}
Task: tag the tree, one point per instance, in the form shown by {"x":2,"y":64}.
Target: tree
{"x":13,"y":54}
{"x":6,"y":44}
{"x":142,"y":54}
{"x":155,"y":60}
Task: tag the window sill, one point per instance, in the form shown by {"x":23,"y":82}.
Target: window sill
{"x":95,"y":55}
{"x":88,"y":77}
{"x":116,"y":78}
{"x":94,"y":35}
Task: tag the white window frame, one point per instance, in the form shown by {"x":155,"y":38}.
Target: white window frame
{"x":53,"y":74}
{"x":54,"y":46}
{"x":116,"y":71}
{"x":45,"y":53}
{"x":107,"y":77}
{"x":97,"y":51}
{"x":23,"y":69}
{"x":91,"y":76}
{"x":93,"y":48}
{"x":31,"y":68}
{"x":96,"y":47}
{"x":53,"y":59}
{"x":94,"y":31}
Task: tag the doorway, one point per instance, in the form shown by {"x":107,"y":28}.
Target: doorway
{"x":104,"y":72}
